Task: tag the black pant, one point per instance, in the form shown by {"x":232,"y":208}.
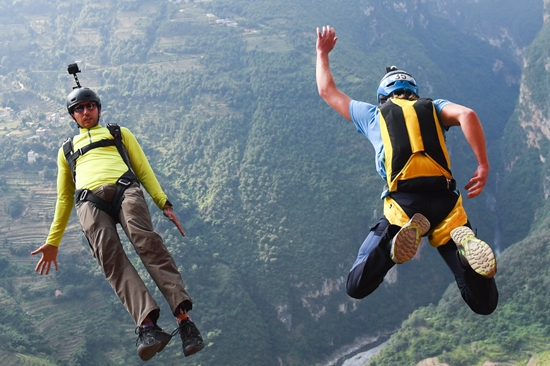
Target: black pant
{"x":374,"y":261}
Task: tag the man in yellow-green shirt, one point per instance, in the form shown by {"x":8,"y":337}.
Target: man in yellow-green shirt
{"x":103,"y":180}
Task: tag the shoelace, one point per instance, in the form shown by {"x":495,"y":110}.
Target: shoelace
{"x":141,"y":332}
{"x":186,"y":326}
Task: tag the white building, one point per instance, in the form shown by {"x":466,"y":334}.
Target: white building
{"x":31,"y":156}
{"x":54,"y":118}
{"x":6,"y":112}
{"x":42,"y":132}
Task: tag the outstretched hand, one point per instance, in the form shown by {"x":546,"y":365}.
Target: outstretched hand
{"x":326,"y":39}
{"x":49,"y":255}
{"x":169,"y":212}
{"x":477,"y":182}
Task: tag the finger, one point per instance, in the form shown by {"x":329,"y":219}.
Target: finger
{"x":479,"y":184}
{"x":472,"y":183}
{"x":475,"y":191}
{"x":180,"y":229}
{"x":178,"y":225}
{"x":48,"y":267}
{"x":56,"y":266}
{"x":176,"y":222}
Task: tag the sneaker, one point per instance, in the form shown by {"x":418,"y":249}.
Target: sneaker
{"x":405,"y":243}
{"x":474,"y":252}
{"x":191,"y":339}
{"x":150,"y":341}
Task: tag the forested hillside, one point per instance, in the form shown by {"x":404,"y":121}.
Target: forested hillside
{"x":275,"y":190}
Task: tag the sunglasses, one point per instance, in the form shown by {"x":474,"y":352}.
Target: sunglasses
{"x":90,"y":106}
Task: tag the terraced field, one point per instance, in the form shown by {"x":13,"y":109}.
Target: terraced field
{"x":33,"y":294}
{"x":26,"y":360}
{"x":29,"y":230}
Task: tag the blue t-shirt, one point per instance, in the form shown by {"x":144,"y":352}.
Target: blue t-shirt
{"x":366,"y":118}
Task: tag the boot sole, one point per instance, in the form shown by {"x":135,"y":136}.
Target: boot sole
{"x":146,"y":353}
{"x":406,"y":241}
{"x":475,"y":252}
{"x":191,"y":350}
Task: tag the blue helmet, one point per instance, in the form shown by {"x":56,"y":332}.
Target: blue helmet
{"x":395,"y":80}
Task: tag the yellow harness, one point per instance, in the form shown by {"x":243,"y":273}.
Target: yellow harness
{"x":417,"y":160}
{"x":416,"y":157}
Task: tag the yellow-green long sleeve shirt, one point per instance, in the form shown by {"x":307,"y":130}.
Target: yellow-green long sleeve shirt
{"x":97,"y":167}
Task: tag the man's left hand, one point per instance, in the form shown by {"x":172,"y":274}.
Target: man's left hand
{"x":169,"y":212}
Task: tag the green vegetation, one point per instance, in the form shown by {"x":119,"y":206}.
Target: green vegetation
{"x":276,"y":192}
{"x":516,"y":333}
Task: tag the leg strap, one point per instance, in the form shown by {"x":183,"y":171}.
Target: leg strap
{"x":111,"y":208}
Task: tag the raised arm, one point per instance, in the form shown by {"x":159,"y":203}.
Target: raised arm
{"x":457,"y":115}
{"x":326,"y":40}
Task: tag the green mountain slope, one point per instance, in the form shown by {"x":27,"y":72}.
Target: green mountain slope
{"x":276,"y":192}
{"x":516,"y":334}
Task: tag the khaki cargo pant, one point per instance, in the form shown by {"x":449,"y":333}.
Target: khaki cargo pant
{"x":101,"y":232}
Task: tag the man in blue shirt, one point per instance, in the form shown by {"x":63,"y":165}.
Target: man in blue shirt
{"x":421,"y":199}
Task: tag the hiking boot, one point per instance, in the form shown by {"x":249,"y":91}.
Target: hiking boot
{"x":191,"y":339}
{"x":473,"y":252}
{"x":150,"y":341}
{"x":405,"y":243}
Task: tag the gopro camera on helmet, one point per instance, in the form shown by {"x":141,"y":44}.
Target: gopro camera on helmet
{"x":79,"y":93}
{"x":73,"y":69}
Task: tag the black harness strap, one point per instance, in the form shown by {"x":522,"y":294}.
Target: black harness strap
{"x":126,"y":180}
{"x":115,"y":131}
{"x":72,"y":156}
{"x":122,"y":184}
{"x":87,"y":195}
{"x":111,"y":208}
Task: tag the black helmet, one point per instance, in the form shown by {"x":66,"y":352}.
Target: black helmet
{"x":79,"y":95}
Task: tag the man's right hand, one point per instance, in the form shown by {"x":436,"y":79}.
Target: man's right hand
{"x":477,"y":183}
{"x":326,"y":39}
{"x":49,"y":255}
